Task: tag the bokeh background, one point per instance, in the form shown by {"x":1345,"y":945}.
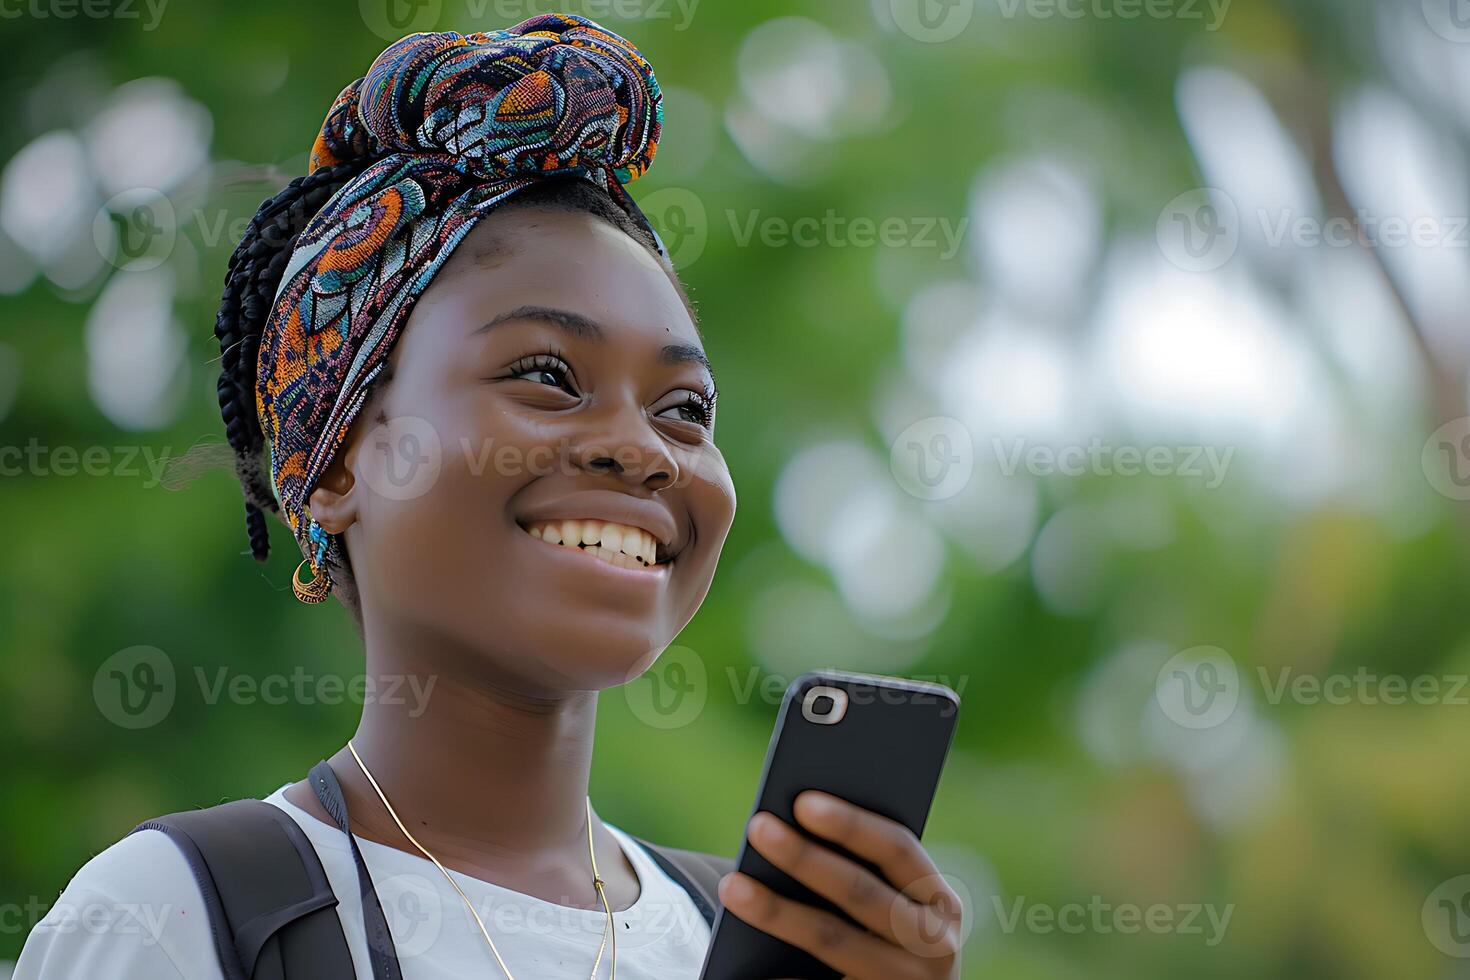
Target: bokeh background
{"x":1103,"y":358}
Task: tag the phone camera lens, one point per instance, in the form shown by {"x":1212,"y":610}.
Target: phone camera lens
{"x":822,"y":705}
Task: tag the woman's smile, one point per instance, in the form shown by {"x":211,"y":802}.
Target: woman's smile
{"x":614,"y":548}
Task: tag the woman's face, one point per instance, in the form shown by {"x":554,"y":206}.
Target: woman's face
{"x":549,"y":386}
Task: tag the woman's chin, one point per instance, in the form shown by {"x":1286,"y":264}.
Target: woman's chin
{"x":589,"y":659}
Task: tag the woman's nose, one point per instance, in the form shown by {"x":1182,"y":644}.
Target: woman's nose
{"x":625,"y":444}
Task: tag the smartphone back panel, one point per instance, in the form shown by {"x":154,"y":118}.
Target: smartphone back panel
{"x":885,"y":754}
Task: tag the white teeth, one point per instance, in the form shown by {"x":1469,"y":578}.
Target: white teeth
{"x":617,"y":544}
{"x":571,"y":531}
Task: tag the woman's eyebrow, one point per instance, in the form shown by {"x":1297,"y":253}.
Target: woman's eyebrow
{"x":573,"y":323}
{"x":580,"y":326}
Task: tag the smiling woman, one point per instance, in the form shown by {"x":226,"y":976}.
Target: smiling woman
{"x":488,"y":419}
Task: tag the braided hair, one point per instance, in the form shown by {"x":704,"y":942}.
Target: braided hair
{"x":255,"y":271}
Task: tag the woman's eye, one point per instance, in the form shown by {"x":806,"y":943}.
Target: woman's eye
{"x":544,"y":369}
{"x":544,"y":376}
{"x":696,"y":410}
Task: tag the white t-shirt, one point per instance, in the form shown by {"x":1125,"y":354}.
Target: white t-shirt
{"x":134,"y":913}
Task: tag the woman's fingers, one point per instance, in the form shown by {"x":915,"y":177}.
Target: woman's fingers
{"x":886,"y":843}
{"x":839,"y":944}
{"x":869,"y":899}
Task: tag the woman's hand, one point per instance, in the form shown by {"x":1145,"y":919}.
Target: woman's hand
{"x":910,"y":918}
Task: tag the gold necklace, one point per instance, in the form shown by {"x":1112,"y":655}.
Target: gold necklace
{"x":597,"y":881}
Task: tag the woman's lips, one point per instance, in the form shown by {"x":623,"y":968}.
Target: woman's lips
{"x":617,"y":545}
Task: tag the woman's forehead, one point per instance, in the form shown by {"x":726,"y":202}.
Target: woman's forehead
{"x":568,"y":261}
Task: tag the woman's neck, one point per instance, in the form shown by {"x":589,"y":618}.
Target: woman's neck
{"x":474,"y":766}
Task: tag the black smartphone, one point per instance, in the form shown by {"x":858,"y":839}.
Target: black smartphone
{"x":879,"y":742}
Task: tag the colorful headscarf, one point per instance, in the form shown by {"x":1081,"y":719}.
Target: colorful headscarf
{"x":455,"y":124}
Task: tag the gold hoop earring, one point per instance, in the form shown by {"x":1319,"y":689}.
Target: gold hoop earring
{"x":320,"y":587}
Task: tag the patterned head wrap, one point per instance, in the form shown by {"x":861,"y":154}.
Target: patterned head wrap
{"x":455,"y":124}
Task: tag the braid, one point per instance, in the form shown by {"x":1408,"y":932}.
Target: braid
{"x":254,"y":273}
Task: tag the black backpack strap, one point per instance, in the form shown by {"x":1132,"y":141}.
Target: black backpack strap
{"x":381,"y":951}
{"x":697,"y":873}
{"x":270,"y":907}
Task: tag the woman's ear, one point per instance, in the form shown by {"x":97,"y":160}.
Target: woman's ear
{"x":334,"y":501}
